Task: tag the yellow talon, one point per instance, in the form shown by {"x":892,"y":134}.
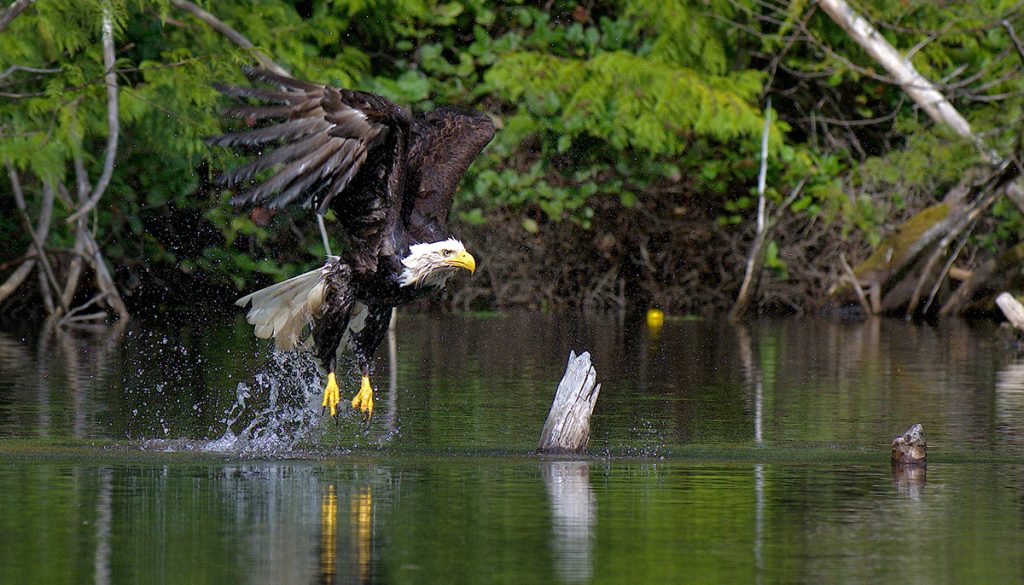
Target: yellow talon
{"x":332,"y":394}
{"x":364,"y":399}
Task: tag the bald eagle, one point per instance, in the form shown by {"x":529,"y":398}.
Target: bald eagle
{"x":388,"y":176}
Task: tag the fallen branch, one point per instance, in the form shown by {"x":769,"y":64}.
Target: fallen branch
{"x":921,"y":90}
{"x":99,"y":316}
{"x":72,"y":315}
{"x":947,"y":270}
{"x":15,"y":279}
{"x":993,"y":187}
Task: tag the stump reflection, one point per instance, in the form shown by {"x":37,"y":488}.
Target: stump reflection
{"x":573,"y":518}
{"x":909,"y":479}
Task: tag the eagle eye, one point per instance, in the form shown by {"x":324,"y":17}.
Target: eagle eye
{"x":446,"y":253}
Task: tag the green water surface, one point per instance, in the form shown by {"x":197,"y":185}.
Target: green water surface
{"x":756,"y":454}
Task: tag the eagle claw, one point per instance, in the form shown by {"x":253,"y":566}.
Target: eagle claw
{"x":364,"y":399}
{"x":332,"y":395}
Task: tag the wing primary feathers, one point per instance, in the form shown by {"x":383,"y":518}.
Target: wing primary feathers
{"x":294,"y":171}
{"x":258,"y":112}
{"x":299,"y":187}
{"x":293,"y":191}
{"x":259,"y":74}
{"x":270,"y":95}
{"x":350,"y":123}
{"x":284,"y":131}
{"x":283,"y":154}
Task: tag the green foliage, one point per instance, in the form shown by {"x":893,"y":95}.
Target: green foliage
{"x":625,"y":104}
{"x":631,"y":101}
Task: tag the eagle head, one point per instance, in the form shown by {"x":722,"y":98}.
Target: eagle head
{"x":432,"y":264}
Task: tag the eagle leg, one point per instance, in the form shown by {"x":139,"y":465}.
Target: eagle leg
{"x":332,"y":395}
{"x":364,"y":344}
{"x":364,"y":399}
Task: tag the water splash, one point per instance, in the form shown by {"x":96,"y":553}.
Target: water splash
{"x":280,"y":411}
{"x":277,"y":415}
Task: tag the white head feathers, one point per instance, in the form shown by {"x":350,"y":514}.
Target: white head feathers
{"x":434,"y":263}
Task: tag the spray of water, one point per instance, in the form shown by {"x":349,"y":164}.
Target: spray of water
{"x":277,"y":414}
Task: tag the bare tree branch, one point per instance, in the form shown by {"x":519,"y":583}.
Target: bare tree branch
{"x":232,"y":35}
{"x":15,"y":279}
{"x":852,"y":276}
{"x":113,"y":121}
{"x":12,"y":11}
{"x":46,"y":272}
{"x":15,"y":68}
{"x":1013,"y":36}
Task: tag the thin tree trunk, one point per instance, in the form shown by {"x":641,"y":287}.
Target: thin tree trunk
{"x":113,"y":120}
{"x":756,"y":258}
{"x":82,"y":189}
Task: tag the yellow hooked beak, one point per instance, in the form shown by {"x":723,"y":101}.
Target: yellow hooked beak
{"x":463,"y":260}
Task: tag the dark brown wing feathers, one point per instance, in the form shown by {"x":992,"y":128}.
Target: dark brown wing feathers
{"x":321,"y":136}
{"x":352,"y":151}
{"x":445,"y":142}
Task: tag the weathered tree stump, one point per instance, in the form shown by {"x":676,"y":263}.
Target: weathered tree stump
{"x":910,"y":448}
{"x":567,"y":429}
{"x":1013,"y":310}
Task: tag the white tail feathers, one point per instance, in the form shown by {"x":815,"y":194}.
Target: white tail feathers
{"x":283,"y":310}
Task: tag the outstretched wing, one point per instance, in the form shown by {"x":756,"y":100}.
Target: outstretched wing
{"x":444,"y":143}
{"x":314,"y":138}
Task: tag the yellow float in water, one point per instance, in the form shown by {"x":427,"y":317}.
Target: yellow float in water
{"x":655,"y":319}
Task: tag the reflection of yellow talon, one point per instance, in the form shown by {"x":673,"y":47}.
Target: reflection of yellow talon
{"x":364,"y":399}
{"x":332,"y":394}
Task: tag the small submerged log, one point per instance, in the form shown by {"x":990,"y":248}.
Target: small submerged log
{"x":910,"y":448}
{"x":567,"y":429}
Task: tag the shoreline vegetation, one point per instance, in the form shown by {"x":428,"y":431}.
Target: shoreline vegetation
{"x":697,"y":157}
